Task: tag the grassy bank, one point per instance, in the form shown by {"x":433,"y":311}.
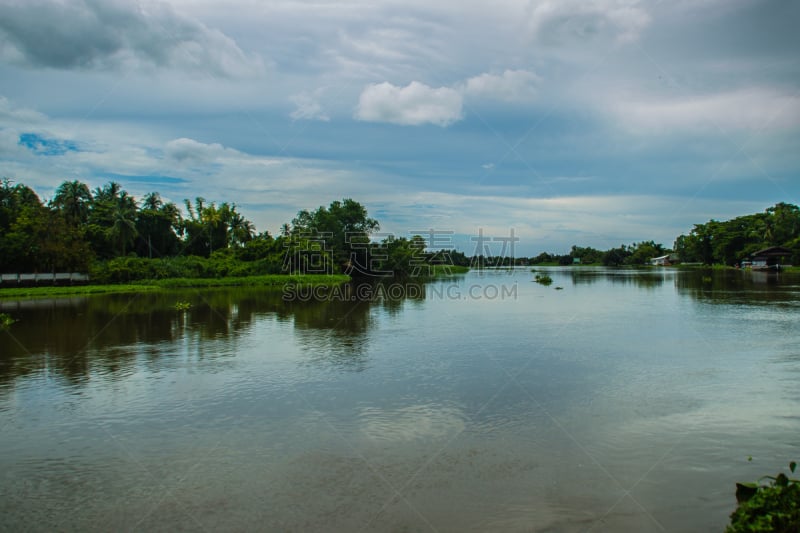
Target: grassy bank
{"x":269,"y":280}
{"x":445,"y":270}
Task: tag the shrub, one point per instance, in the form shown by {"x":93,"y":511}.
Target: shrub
{"x":774,"y":507}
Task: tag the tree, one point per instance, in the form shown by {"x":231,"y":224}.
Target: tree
{"x":157,"y":225}
{"x":73,"y":199}
{"x":643,"y":251}
{"x":616,"y":256}
{"x":210,"y":228}
{"x":240,"y":230}
{"x":123,"y":222}
{"x":21,"y":215}
{"x":345,"y":228}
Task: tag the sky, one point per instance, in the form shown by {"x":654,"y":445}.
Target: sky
{"x":566,"y":122}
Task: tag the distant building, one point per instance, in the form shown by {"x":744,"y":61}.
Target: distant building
{"x":769,"y":258}
{"x":665,"y":260}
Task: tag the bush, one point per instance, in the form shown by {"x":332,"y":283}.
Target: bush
{"x":221,"y":264}
{"x":774,"y":507}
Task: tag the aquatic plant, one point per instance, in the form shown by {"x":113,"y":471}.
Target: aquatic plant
{"x":6,"y":320}
{"x":543,"y":279}
{"x":182,"y":306}
{"x":771,"y":507}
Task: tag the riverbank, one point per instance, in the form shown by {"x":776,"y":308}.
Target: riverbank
{"x":269,"y":280}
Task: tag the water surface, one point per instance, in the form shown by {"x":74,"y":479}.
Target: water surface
{"x":626,"y":400}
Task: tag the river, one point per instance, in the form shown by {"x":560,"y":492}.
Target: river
{"x":611,"y":400}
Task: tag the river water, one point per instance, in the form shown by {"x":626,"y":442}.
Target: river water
{"x":611,"y":400}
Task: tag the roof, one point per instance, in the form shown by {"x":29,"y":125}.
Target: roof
{"x":773,"y":251}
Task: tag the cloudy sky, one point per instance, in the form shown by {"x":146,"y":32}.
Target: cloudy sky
{"x":589,"y":122}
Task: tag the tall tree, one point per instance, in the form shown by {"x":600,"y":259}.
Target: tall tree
{"x":73,"y":199}
{"x":344,"y":227}
{"x":240,"y":230}
{"x":158,"y":225}
{"x":123,"y":222}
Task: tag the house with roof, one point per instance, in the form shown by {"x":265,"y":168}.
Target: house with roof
{"x":772,"y":258}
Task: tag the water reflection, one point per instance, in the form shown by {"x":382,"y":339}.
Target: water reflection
{"x":706,"y":284}
{"x":740,"y":287}
{"x":74,"y":338}
{"x":645,"y":279}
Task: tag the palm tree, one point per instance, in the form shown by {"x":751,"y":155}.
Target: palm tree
{"x":72,"y":199}
{"x":152,"y":201}
{"x":212,"y":219}
{"x":110,"y":191}
{"x":171,"y":212}
{"x":123,"y":217}
{"x":240,"y":230}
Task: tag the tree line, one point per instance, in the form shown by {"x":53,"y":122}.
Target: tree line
{"x":115,"y":237}
{"x":732,"y":241}
{"x":79,"y":227}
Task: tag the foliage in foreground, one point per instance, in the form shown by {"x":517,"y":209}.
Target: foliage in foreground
{"x":774,"y":507}
{"x":5,"y":320}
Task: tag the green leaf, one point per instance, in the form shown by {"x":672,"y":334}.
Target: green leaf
{"x":792,"y":466}
{"x":781,"y":480}
{"x":745,"y":491}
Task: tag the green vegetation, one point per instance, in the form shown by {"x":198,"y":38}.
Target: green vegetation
{"x":5,"y":320}
{"x":119,"y":240}
{"x":116,"y":238}
{"x":714,"y":243}
{"x":449,"y":270}
{"x":774,"y":507}
{"x":269,"y":280}
{"x":76,"y":290}
{"x":182,"y":306}
{"x":730,"y":242}
{"x":543,"y":279}
{"x":636,"y":254}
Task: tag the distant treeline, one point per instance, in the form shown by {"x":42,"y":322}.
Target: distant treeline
{"x":115,"y":237}
{"x":732,"y":241}
{"x":713,"y":243}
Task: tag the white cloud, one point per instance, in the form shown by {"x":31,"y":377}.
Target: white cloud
{"x":308,"y":107}
{"x":412,"y":105}
{"x":110,"y":34}
{"x":9,"y":113}
{"x":560,"y":21}
{"x":510,"y":86}
{"x":746,"y":109}
{"x":191,"y":152}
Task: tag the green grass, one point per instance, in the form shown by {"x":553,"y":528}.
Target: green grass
{"x":269,"y":280}
{"x":444,"y":270}
{"x":34,"y":292}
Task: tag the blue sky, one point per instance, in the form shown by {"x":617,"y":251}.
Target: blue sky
{"x":593,"y":123}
